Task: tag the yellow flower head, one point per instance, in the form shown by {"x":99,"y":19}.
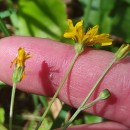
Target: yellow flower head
{"x":89,"y":38}
{"x":21,"y":58}
{"x":18,"y":73}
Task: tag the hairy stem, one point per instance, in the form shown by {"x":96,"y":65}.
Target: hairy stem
{"x":89,"y":94}
{"x":12,"y":106}
{"x":59,"y":88}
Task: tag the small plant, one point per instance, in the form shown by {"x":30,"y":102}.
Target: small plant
{"x":86,"y":30}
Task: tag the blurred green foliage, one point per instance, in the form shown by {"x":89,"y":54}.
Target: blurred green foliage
{"x":112,"y":16}
{"x":3,"y":27}
{"x":92,"y":119}
{"x":2,"y":118}
{"x":47,"y":19}
{"x":2,"y":127}
{"x":41,"y":18}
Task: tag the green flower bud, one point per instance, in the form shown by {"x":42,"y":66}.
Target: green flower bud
{"x":122,"y":51}
{"x":105,"y":94}
{"x":18,"y":74}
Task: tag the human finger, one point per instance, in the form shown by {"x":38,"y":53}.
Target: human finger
{"x":50,"y":61}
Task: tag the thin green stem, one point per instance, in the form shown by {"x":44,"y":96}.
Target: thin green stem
{"x":89,"y":94}
{"x":59,"y":88}
{"x":90,"y":104}
{"x":12,"y":106}
{"x":33,"y":119}
{"x":98,"y":81}
{"x":81,"y":109}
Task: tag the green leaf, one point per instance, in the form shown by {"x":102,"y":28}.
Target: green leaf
{"x":41,"y":18}
{"x":92,"y":118}
{"x":3,"y":27}
{"x":4,"y":14}
{"x":2,"y":115}
{"x":97,"y":12}
{"x":121,"y":20}
{"x":128,"y":1}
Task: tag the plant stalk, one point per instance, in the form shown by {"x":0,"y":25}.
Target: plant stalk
{"x":59,"y":88}
{"x":12,"y":106}
{"x":89,"y":94}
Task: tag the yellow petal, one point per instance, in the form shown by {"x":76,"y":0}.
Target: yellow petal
{"x":22,"y":55}
{"x":106,"y":43}
{"x":92,"y":31}
{"x":79,"y":31}
{"x":21,"y":52}
{"x":69,"y":34}
{"x":79,"y":24}
{"x":102,"y":39}
{"x":71,"y":26}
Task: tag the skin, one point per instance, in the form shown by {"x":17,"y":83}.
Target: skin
{"x":48,"y":64}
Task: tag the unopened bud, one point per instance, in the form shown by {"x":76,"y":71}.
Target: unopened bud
{"x":122,"y":51}
{"x":105,"y":94}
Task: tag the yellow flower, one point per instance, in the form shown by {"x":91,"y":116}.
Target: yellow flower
{"x":21,"y":58}
{"x":89,"y":38}
{"x":18,"y":73}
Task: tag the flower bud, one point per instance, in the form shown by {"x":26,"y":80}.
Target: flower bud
{"x":105,"y":94}
{"x":122,"y":51}
{"x":18,"y":74}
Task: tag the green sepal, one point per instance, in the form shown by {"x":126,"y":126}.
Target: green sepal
{"x":105,"y":94}
{"x":122,"y":51}
{"x":79,"y":48}
{"x":17,"y":74}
